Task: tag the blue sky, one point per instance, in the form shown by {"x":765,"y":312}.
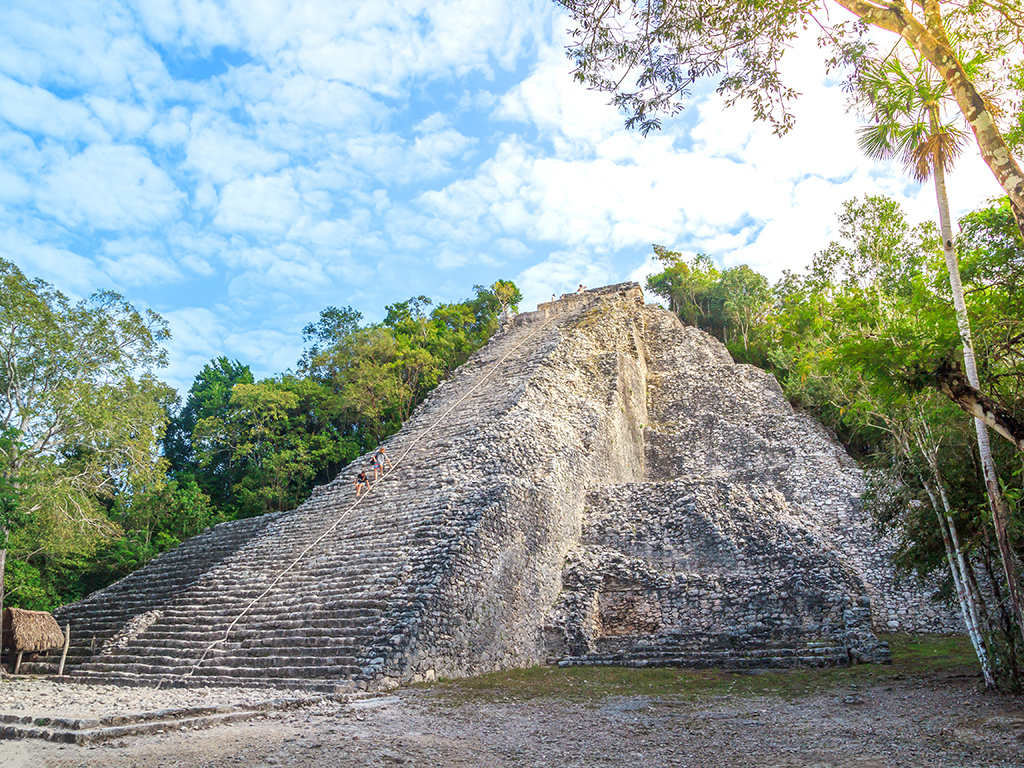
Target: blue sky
{"x":238,"y":166}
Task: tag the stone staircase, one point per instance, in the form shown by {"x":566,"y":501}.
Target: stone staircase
{"x":326,"y":619}
{"x":697,"y":653}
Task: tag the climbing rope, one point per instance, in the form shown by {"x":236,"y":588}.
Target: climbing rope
{"x":359,"y":499}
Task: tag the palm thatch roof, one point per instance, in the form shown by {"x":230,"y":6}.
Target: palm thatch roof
{"x":31,"y":631}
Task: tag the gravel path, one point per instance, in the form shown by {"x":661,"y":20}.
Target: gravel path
{"x":940,"y":722}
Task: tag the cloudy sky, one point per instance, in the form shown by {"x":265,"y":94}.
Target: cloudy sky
{"x":238,"y":166}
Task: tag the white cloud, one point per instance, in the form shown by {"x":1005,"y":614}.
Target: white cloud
{"x":377,"y":148}
{"x":69,"y":271}
{"x":373,"y":44}
{"x":36,"y":110}
{"x":13,"y":187}
{"x":650,"y":266}
{"x":262,"y":204}
{"x":269,"y":351}
{"x":287,"y":100}
{"x":561,"y":272}
{"x":122,"y":120}
{"x":171,"y":128}
{"x":197,"y":336}
{"x":140,"y":269}
{"x":393,"y":159}
{"x":556,"y":105}
{"x":191,"y":23}
{"x":136,"y":262}
{"x":219,"y":152}
{"x":87,"y":44}
{"x":108,"y":187}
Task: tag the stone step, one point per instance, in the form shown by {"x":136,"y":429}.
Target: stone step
{"x":199,"y":680}
{"x":716,"y":659}
{"x":292,"y":668}
{"x":269,"y":618}
{"x":640,"y":651}
{"x":260,"y":657}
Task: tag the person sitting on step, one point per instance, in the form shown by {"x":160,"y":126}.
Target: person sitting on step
{"x":379,"y":457}
{"x":362,"y":483}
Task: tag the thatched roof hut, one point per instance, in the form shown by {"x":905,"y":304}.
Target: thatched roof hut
{"x":31,"y":631}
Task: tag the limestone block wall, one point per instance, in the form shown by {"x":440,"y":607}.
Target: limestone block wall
{"x":699,"y":565}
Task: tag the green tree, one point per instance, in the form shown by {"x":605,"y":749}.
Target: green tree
{"x":77,"y":390}
{"x":688,"y":287}
{"x":648,"y":53}
{"x":732,"y":305}
{"x":992,"y":267}
{"x":907,"y":104}
{"x":862,"y":332}
{"x":746,"y":300}
{"x":507,"y":294}
{"x":209,"y":397}
{"x":331,"y":329}
{"x":154,"y":519}
{"x":283,"y":435}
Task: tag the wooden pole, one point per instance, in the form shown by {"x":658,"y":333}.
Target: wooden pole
{"x":17,"y":664}
{"x":64,"y":653}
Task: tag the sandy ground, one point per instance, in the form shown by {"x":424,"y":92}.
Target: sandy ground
{"x":934,"y":722}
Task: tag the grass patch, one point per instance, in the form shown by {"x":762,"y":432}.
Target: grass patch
{"x":925,"y":655}
{"x":913,"y":657}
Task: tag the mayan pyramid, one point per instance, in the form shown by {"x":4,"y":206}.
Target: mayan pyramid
{"x":599,"y":484}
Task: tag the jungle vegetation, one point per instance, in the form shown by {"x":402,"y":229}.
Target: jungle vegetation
{"x":103,"y":467}
{"x":865,"y":340}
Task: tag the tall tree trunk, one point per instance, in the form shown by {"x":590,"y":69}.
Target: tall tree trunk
{"x":958,"y":566}
{"x":1003,"y":617}
{"x":967,"y":609}
{"x":929,"y":41}
{"x":3,"y":565}
{"x":997,"y":502}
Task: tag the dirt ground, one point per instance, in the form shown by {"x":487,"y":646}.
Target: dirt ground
{"x":935,"y":721}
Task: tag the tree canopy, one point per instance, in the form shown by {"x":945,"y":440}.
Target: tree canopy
{"x":80,"y":411}
{"x":649,"y":53}
{"x":84,"y":491}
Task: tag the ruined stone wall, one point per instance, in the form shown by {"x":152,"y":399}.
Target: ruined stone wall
{"x":712,"y":418}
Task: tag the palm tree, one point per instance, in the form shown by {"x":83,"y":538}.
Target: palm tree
{"x":907,"y":105}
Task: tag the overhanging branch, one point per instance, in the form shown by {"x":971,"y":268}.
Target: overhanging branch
{"x":954,"y":384}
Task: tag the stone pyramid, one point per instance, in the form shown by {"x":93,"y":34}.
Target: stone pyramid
{"x":599,"y":484}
